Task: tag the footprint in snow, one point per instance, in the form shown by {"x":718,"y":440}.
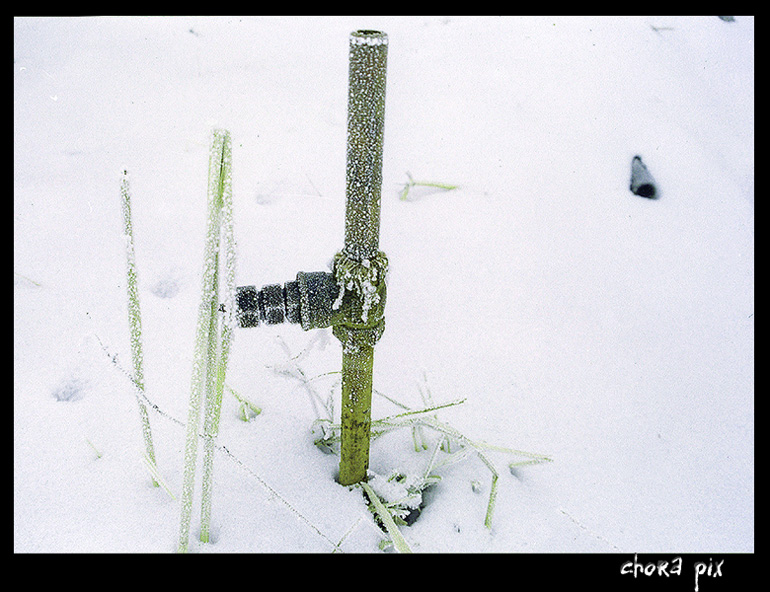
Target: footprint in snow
{"x":70,"y":389}
{"x":165,"y":288}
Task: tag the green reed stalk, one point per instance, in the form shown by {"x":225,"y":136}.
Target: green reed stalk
{"x":220,"y":336}
{"x":134,"y":316}
{"x":207,"y":364}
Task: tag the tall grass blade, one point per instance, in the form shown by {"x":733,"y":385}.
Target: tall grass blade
{"x":206,"y":324}
{"x":134,"y":315}
{"x":221,"y":333}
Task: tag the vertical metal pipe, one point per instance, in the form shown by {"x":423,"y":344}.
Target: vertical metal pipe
{"x":356,"y":416}
{"x":366,"y":116}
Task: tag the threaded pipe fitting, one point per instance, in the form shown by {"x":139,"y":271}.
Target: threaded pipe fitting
{"x":308,"y":301}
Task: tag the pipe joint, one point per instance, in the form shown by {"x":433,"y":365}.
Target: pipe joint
{"x":361,"y":299}
{"x":351,"y":299}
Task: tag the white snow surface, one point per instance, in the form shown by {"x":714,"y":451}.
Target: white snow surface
{"x":611,"y":332}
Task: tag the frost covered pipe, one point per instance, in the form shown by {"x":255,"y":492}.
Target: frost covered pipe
{"x":361,"y":267}
{"x":366,"y":118}
{"x":351,"y":299}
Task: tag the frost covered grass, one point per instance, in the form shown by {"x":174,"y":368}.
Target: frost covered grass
{"x":135,"y":318}
{"x":384,"y":514}
{"x":328,"y":438}
{"x":611,"y":332}
{"x":213,"y":337}
{"x":431,"y":185}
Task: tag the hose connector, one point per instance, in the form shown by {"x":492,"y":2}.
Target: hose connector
{"x":351,"y":299}
{"x":308,"y":300}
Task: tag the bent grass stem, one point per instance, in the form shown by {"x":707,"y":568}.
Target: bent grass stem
{"x":403,"y":196}
{"x":395,"y":535}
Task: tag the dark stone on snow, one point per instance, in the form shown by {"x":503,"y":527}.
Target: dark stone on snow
{"x":642,"y":183}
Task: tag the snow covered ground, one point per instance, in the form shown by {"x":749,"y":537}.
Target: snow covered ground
{"x":611,"y":332}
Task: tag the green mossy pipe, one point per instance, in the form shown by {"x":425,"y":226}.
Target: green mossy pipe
{"x":366,"y":117}
{"x":352,"y":298}
{"x":356,"y":414}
